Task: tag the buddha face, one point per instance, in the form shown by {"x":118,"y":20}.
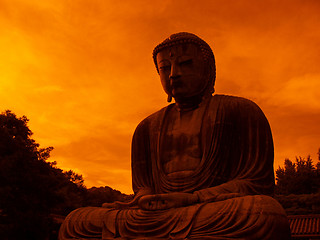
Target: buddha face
{"x":182,"y":70}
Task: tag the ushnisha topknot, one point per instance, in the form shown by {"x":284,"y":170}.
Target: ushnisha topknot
{"x":185,"y":37}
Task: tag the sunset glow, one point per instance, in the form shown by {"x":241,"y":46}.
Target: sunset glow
{"x":82,"y":71}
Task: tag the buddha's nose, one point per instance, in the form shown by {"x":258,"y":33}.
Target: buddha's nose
{"x":175,"y":71}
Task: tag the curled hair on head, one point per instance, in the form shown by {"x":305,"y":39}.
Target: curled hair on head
{"x":184,"y":38}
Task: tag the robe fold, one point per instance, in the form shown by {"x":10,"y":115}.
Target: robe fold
{"x":232,"y":181}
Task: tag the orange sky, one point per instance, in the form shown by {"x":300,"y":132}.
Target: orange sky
{"x":82,"y":71}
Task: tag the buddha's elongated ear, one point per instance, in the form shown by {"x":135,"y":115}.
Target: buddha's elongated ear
{"x":169,"y":99}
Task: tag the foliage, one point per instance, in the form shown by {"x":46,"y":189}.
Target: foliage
{"x":33,"y":190}
{"x":97,"y":196}
{"x":298,"y":186}
{"x":30,"y":187}
{"x":300,"y":204}
{"x":75,"y":178}
{"x":23,"y":173}
{"x":301,"y":177}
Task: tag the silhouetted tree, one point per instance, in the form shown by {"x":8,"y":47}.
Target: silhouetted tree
{"x":97,"y":196}
{"x":300,"y":203}
{"x":30,"y":187}
{"x":298,"y":186}
{"x":23,"y":180}
{"x":75,"y":178}
{"x":301,"y":177}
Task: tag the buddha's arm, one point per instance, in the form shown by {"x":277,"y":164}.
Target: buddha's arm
{"x":141,"y":179}
{"x":248,"y":165}
{"x":222,"y":192}
{"x":141,"y":165}
{"x":167,"y":200}
{"x":133,"y":202}
{"x":231,"y":189}
{"x":242,"y":150}
{"x":179,"y":199}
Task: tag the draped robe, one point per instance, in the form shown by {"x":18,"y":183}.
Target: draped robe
{"x":233,"y":181}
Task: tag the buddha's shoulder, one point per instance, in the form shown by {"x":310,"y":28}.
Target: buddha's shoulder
{"x":155,"y":118}
{"x":234,"y":101}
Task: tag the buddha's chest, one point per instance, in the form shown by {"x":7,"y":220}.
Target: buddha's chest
{"x":180,"y":146}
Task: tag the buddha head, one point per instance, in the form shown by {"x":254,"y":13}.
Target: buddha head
{"x":186,"y":66}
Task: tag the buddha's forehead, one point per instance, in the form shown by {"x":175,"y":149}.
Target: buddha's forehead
{"x":177,"y":50}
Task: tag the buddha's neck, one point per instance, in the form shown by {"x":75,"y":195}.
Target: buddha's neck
{"x":191,"y":103}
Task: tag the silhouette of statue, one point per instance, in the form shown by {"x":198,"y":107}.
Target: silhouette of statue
{"x":202,"y":167}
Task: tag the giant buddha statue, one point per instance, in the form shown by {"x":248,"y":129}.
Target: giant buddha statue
{"x":202,"y":167}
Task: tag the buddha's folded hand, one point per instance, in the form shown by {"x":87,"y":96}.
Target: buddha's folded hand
{"x":133,"y":202}
{"x":166,"y":201}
